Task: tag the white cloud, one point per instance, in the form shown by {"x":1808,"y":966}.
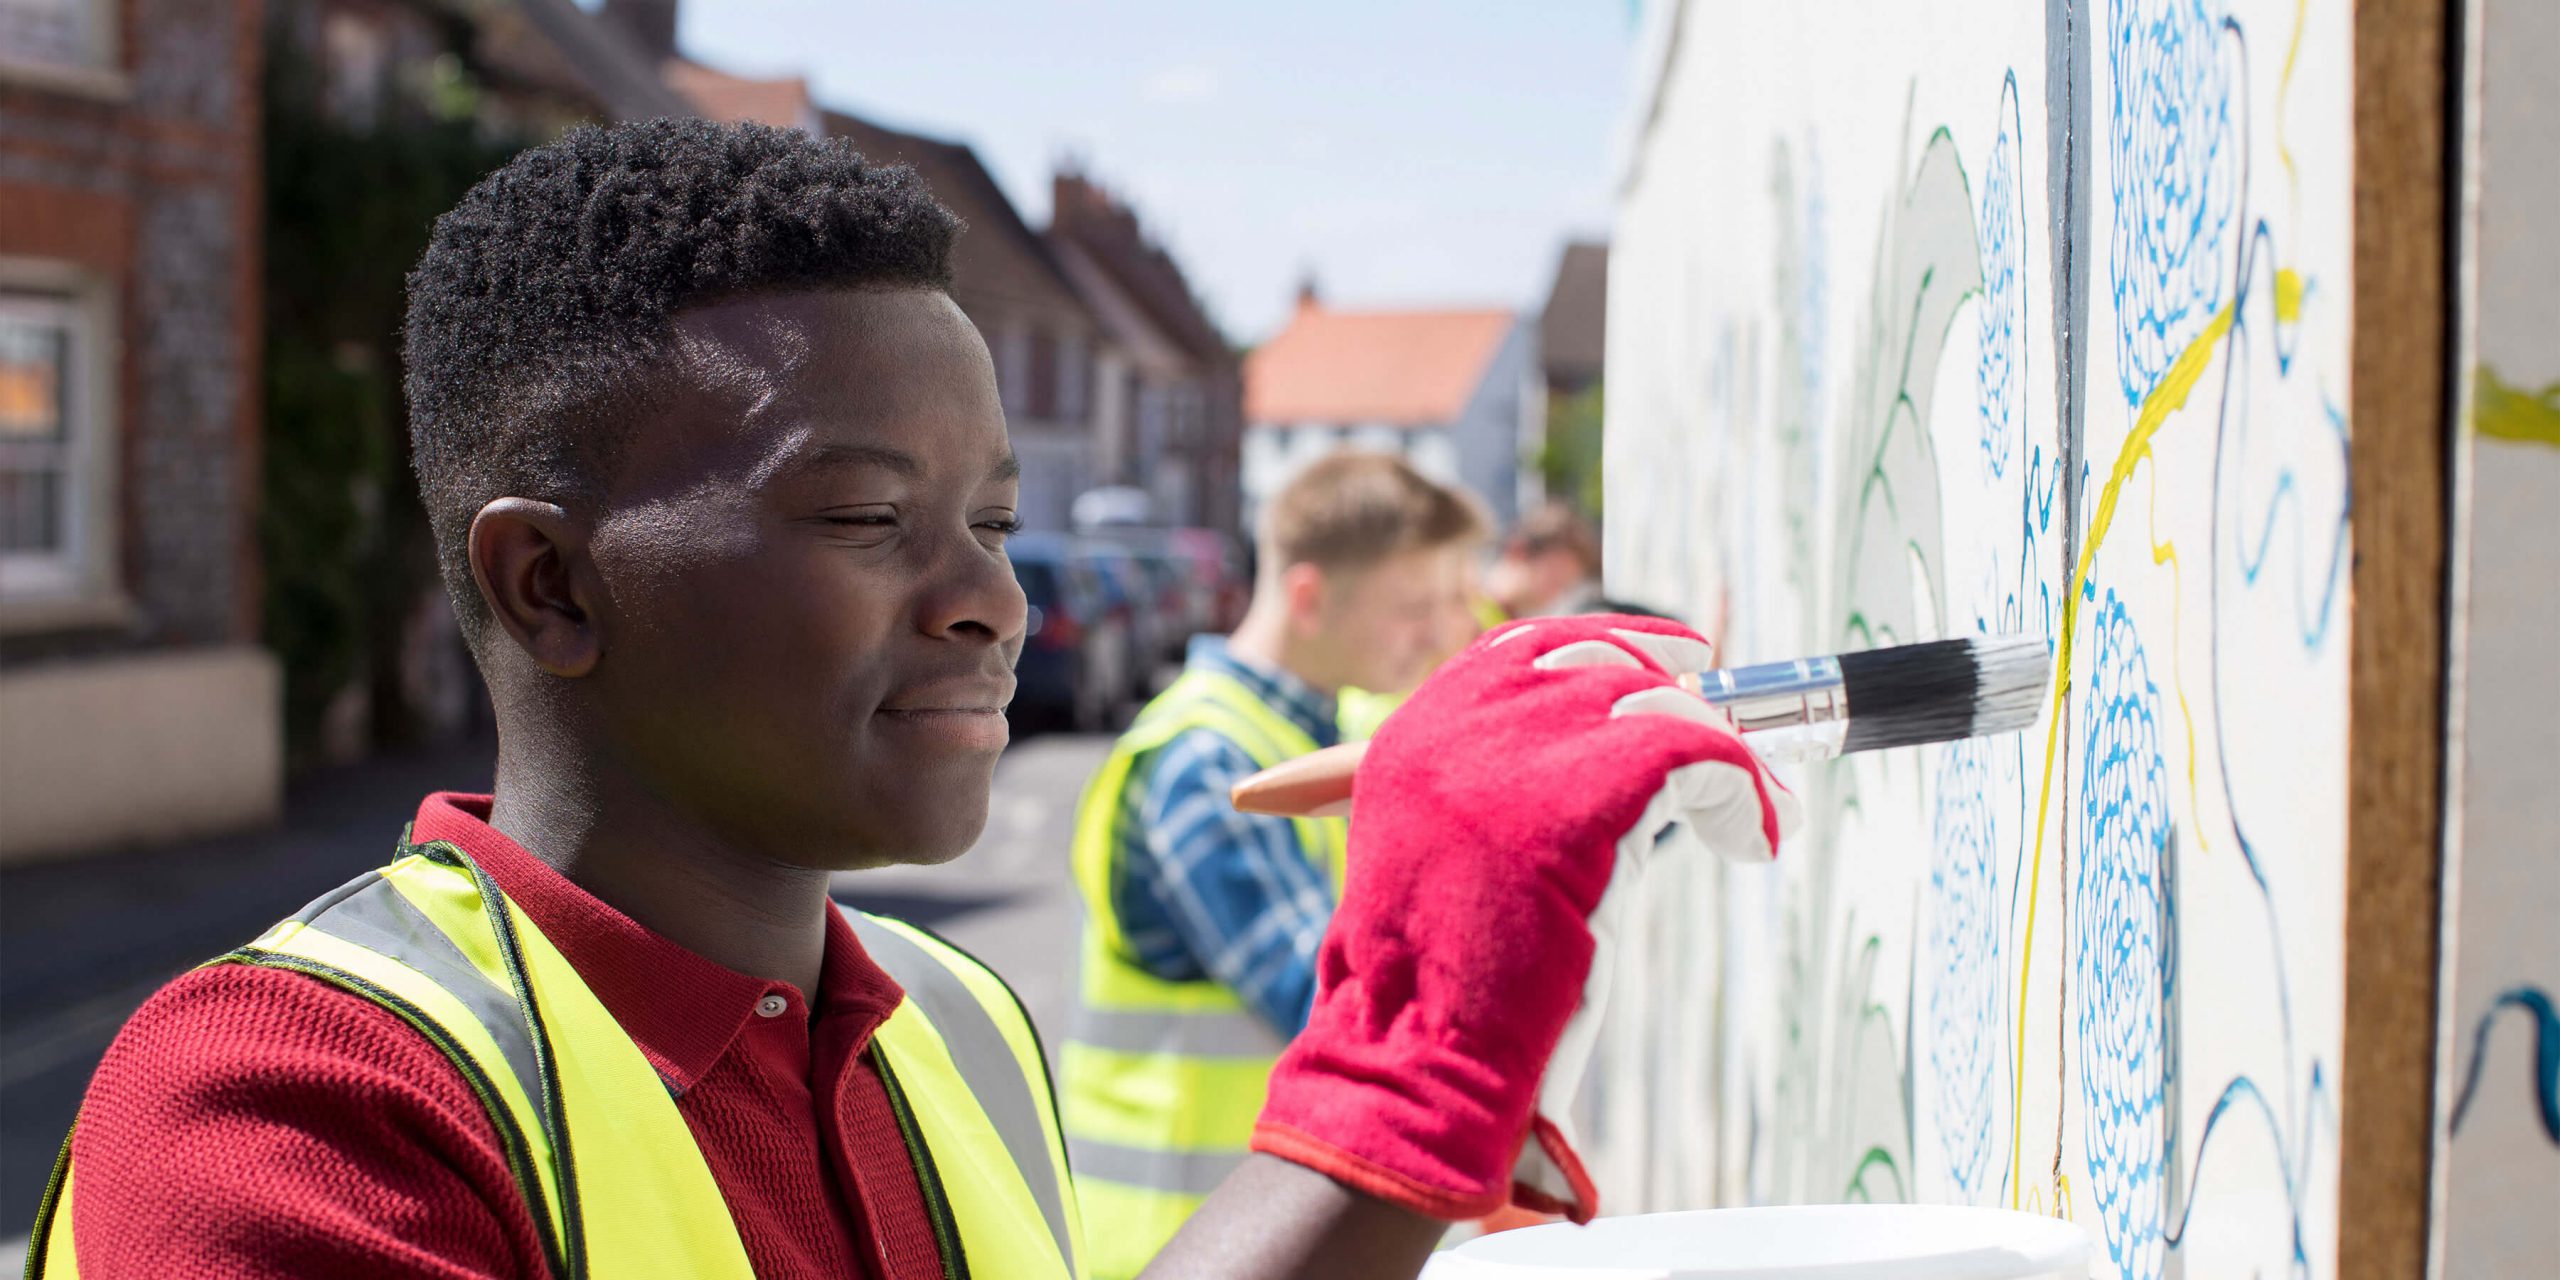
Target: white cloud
{"x":1181,"y":84}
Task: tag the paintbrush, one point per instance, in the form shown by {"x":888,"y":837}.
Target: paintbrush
{"x":1807,"y":709}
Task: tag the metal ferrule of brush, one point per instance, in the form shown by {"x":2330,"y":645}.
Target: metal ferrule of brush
{"x":1790,"y":710}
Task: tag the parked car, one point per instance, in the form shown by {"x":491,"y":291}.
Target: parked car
{"x":1178,"y":611}
{"x":1198,"y":584}
{"x":1219,"y":585}
{"x":1075,"y":661}
{"x":1132,"y":595}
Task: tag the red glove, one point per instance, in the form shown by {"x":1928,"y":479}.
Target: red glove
{"x":1490,"y":818}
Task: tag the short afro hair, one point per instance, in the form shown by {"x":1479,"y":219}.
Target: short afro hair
{"x":544,"y":299}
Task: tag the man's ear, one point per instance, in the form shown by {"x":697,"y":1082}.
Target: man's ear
{"x":530,"y":560}
{"x":1303,"y":586}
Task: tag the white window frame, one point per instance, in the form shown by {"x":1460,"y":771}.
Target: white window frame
{"x":78,"y":584}
{"x":102,"y":76}
{"x":1013,"y":370}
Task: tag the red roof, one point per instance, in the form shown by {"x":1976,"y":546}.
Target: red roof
{"x":1399,"y":368}
{"x":739,"y":99}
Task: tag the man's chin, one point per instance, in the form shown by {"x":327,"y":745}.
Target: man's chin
{"x":925,"y":840}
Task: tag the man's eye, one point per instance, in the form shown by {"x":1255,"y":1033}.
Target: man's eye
{"x":863,"y":522}
{"x":1007,"y":527}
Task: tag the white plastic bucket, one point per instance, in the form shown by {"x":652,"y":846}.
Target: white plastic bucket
{"x":1793,"y":1242}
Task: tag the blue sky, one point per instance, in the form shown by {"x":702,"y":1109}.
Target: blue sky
{"x":1409,"y":153}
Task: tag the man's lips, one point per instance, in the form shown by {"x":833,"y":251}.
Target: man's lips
{"x":964,"y":716}
{"x":959,"y":698}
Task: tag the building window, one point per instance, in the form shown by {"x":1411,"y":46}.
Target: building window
{"x":1012,"y":351}
{"x":1377,"y":437}
{"x":1044,"y":375}
{"x":1183,"y":420}
{"x":1433,"y":454}
{"x":356,"y":58}
{"x":1075,"y":376}
{"x":64,"y":35}
{"x":55,"y":450}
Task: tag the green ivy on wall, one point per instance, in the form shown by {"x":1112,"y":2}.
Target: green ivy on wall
{"x":345,"y":545}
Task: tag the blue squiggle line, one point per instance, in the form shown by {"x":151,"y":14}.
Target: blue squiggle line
{"x":2546,"y":1056}
{"x":2243,"y":1089}
{"x":2312,"y":622}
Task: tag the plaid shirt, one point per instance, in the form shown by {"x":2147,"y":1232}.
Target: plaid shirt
{"x":1207,"y":892}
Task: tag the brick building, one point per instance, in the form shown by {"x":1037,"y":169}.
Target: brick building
{"x":1042,"y":333}
{"x":135,"y":701}
{"x":1170,"y":392}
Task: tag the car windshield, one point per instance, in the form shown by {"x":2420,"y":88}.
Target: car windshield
{"x":1039,"y":582}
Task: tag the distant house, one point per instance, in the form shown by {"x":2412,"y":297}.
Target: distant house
{"x":1039,"y":328}
{"x":1573,"y":328}
{"x":135,"y":700}
{"x":1455,"y":392}
{"x":536,"y":66}
{"x":1036,"y":323}
{"x":1169,"y":392}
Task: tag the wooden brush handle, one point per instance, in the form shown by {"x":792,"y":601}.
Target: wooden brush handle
{"x":1317,"y":785}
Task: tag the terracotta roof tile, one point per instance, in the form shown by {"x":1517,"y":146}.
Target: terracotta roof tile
{"x":1400,"y":368}
{"x":737,"y":99}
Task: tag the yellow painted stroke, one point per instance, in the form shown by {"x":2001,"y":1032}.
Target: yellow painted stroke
{"x":2288,"y":295}
{"x":2167,"y":553}
{"x":2284,"y":89}
{"x":2503,"y":412}
{"x":2167,"y":397}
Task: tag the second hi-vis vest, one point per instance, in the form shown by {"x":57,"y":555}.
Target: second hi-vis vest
{"x":1359,"y":714}
{"x":616,"y":1185}
{"x":1164,"y":1079}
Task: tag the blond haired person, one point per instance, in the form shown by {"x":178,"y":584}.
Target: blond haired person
{"x":1202,"y":922}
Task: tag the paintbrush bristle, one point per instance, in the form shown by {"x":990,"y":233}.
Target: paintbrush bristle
{"x":1942,"y":690}
{"x":2014,"y":671}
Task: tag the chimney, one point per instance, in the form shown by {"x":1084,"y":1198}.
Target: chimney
{"x":1307,"y":299}
{"x":650,"y":23}
{"x":1068,"y":194}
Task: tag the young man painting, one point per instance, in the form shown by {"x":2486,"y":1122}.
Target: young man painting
{"x":721,"y":487}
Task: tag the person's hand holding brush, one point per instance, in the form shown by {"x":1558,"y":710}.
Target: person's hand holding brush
{"x":1502,"y":818}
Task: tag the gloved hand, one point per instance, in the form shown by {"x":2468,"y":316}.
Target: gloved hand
{"x":1501,"y":819}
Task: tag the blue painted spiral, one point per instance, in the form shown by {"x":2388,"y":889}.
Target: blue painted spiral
{"x":1964,"y":962}
{"x":2173,"y":173}
{"x":2121,"y":938}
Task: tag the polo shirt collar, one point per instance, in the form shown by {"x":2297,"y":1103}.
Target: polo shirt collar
{"x":682,"y":1010}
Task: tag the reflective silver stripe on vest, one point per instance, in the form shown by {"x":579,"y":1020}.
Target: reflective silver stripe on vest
{"x":1189,"y":1173}
{"x":984,"y":1057}
{"x":1216,"y":1033}
{"x":372,"y":913}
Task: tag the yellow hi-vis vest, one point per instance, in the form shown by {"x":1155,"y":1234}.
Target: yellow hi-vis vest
{"x":613,"y":1177}
{"x":1164,"y":1079}
{"x":1359,"y":714}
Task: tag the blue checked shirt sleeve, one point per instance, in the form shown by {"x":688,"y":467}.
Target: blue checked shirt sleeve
{"x":1233,"y":892}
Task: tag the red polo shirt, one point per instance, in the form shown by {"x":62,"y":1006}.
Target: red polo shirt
{"x":258,"y":1122}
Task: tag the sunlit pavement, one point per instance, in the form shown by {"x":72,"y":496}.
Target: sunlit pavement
{"x":84,"y":942}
